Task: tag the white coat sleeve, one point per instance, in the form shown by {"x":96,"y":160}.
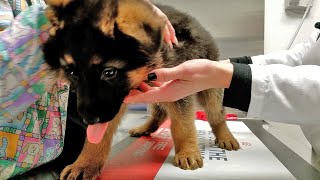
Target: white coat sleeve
{"x":285,"y":94}
{"x":292,"y":57}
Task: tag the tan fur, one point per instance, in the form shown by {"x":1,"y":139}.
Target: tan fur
{"x":131,"y":17}
{"x":211,"y":102}
{"x":95,"y":60}
{"x":52,"y":17}
{"x":115,"y":63}
{"x":184,"y":134}
{"x":132,"y":14}
{"x":106,"y":22}
{"x":183,"y":130}
{"x":58,"y":3}
{"x":137,"y":76}
{"x":93,"y":156}
{"x":68,"y":58}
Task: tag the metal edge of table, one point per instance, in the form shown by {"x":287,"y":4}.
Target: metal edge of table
{"x":297,"y":166}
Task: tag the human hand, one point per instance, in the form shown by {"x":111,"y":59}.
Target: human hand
{"x":169,"y":33}
{"x":225,"y":61}
{"x":172,"y":84}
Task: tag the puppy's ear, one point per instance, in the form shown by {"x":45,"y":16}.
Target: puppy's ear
{"x":53,"y":19}
{"x":52,"y":53}
{"x":138,"y":19}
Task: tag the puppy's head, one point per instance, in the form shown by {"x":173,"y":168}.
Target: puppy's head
{"x":105,"y":47}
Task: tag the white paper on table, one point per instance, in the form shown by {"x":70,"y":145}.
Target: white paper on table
{"x":252,"y":161}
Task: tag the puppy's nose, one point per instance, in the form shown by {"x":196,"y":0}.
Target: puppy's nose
{"x":91,"y":120}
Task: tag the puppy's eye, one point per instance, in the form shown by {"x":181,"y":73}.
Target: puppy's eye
{"x":69,"y":71}
{"x":109,"y":73}
{"x":71,"y":74}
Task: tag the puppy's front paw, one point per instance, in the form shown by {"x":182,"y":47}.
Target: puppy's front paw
{"x":81,"y":171}
{"x":143,"y":130}
{"x":188,"y":160}
{"x":227,"y":142}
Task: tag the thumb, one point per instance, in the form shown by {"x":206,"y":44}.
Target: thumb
{"x":165,"y":74}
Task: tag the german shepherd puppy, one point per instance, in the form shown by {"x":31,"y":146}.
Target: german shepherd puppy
{"x":105,"y":48}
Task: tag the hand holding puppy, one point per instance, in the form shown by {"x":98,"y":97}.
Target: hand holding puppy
{"x":172,"y":84}
{"x":169,"y":34}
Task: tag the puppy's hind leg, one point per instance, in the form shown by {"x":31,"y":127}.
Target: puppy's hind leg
{"x":158,"y":115}
{"x":211,"y":100}
{"x":184,"y":134}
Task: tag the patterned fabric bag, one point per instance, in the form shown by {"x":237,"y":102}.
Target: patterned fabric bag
{"x":32,"y":110}
{"x":20,"y":5}
{"x":11,"y":8}
{"x":6,"y":14}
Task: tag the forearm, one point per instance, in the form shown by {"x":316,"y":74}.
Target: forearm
{"x":238,"y":94}
{"x":276,"y":92}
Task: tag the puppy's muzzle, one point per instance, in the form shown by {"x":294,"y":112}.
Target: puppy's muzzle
{"x":91,"y":120}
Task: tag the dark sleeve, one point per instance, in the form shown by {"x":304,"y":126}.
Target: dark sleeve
{"x":241,"y":60}
{"x":238,"y":95}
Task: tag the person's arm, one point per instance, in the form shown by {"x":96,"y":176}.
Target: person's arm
{"x":271,"y":92}
{"x":169,"y":34}
{"x":238,"y":94}
{"x":285,"y":94}
{"x":23,"y":73}
{"x":294,"y":57}
{"x":276,"y":92}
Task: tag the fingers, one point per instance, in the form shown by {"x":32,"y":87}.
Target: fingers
{"x":166,"y":74}
{"x":144,"y":87}
{"x":156,"y":83}
{"x":139,"y":96}
{"x":167,"y":92}
{"x":169,"y":33}
{"x":167,"y":36}
{"x":173,"y":37}
{"x":134,"y":97}
{"x":134,"y":92}
{"x":142,"y":97}
{"x":225,"y":61}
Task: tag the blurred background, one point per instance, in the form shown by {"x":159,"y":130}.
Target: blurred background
{"x":236,"y":25}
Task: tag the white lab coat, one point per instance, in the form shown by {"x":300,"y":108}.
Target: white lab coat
{"x":286,"y":87}
{"x":286,"y":84}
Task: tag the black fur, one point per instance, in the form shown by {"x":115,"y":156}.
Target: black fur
{"x":83,"y":40}
{"x":98,"y":98}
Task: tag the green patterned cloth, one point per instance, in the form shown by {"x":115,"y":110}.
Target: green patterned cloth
{"x":20,"y":5}
{"x":11,"y":8}
{"x":32,"y":121}
{"x":6,"y":14}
